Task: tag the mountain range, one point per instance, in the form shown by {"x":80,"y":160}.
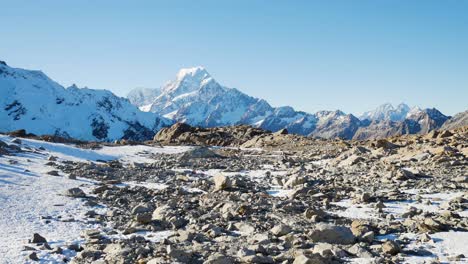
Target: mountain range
{"x":30,"y":100}
{"x":196,"y":98}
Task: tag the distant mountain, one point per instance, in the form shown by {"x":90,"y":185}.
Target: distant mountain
{"x":415,"y":121}
{"x":387,"y":112}
{"x":196,"y":98}
{"x":143,"y":97}
{"x":458,"y":120}
{"x":30,"y":100}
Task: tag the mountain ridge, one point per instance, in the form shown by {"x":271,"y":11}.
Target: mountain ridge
{"x":196,"y":98}
{"x":30,"y":100}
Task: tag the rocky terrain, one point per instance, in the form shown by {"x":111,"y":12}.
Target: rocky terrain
{"x":236,"y":195}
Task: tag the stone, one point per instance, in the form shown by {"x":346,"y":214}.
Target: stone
{"x":140,"y":209}
{"x":38,"y":239}
{"x":221,"y":182}
{"x":75,"y":193}
{"x":33,"y":256}
{"x":359,"y":251}
{"x":219,"y":258}
{"x":329,"y":250}
{"x":281,"y":230}
{"x":295,"y":180}
{"x":178,"y":254}
{"x":143,"y":218}
{"x":161,"y":213}
{"x":391,"y":247}
{"x":244,"y":228}
{"x":309,"y":259}
{"x":331,"y":234}
{"x":200,"y":153}
{"x":257,"y":259}
{"x":53,"y":173}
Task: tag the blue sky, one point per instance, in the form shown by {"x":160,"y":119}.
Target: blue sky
{"x":312,"y":55}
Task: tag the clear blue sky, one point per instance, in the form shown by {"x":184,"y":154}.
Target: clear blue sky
{"x":312,"y":55}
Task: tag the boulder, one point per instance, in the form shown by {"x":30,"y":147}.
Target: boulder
{"x":38,"y":239}
{"x":332,"y":234}
{"x":75,"y":193}
{"x":391,"y":247}
{"x":281,"y":230}
{"x":221,"y":182}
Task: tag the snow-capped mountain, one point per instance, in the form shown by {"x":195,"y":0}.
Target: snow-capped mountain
{"x":30,"y":100}
{"x":143,"y":97}
{"x":336,"y":124}
{"x":387,"y":112}
{"x":390,"y":122}
{"x":196,"y":98}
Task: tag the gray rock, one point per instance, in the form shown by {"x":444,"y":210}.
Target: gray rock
{"x":221,"y":182}
{"x":75,"y":193}
{"x":391,"y":247}
{"x":38,"y":239}
{"x":281,"y":230}
{"x":332,"y":234}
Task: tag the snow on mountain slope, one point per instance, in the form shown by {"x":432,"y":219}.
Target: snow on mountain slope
{"x":416,"y":121}
{"x":30,"y":100}
{"x":143,"y":96}
{"x":196,"y":98}
{"x":387,"y":112}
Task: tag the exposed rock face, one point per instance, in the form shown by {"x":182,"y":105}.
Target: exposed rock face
{"x":218,"y":136}
{"x":336,"y":125}
{"x":428,"y":119}
{"x":416,"y":122}
{"x":457,"y":121}
{"x":384,"y":129}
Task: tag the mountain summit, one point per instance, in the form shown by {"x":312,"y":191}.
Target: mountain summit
{"x":387,"y":112}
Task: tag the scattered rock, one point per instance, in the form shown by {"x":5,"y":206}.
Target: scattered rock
{"x":75,"y":193}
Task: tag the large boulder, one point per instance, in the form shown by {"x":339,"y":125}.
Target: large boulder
{"x":171,"y":134}
{"x":332,"y":234}
{"x":75,"y":193}
{"x":221,"y":182}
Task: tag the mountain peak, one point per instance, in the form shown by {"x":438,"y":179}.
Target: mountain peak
{"x":193,"y":72}
{"x":387,"y":112}
{"x":3,"y":63}
{"x":188,"y":80}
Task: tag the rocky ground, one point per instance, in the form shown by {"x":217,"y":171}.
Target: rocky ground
{"x":260,"y":198}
